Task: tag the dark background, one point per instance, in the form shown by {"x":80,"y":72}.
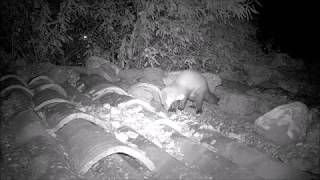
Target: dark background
{"x":293,"y":25}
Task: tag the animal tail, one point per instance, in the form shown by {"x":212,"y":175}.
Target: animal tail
{"x":211,"y":98}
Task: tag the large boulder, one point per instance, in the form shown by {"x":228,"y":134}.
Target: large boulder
{"x":258,"y":74}
{"x":284,"y":124}
{"x":213,"y":80}
{"x":282,"y":60}
{"x":291,"y":86}
{"x":235,"y":102}
{"x":237,"y":75}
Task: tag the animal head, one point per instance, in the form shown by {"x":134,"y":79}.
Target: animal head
{"x":169,"y":95}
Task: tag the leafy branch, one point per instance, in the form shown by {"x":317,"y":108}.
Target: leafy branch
{"x":128,"y":33}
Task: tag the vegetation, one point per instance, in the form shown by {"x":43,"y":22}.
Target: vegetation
{"x":129,"y":33}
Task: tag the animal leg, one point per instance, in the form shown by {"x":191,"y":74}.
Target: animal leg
{"x":198,"y":104}
{"x":182,"y":104}
{"x":174,"y":106}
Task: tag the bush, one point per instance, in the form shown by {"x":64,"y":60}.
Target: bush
{"x":128,"y":33}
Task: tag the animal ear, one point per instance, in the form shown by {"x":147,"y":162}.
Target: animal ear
{"x":181,"y":97}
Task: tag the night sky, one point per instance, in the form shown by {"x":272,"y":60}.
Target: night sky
{"x":293,"y":25}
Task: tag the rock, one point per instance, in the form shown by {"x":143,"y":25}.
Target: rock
{"x":39,"y":166}
{"x":269,"y":98}
{"x":290,"y":86}
{"x":284,"y":60}
{"x":313,"y":135}
{"x":235,"y":85}
{"x":257,"y":74}
{"x":236,"y":102}
{"x":213,"y":80}
{"x":315,"y":114}
{"x":103,"y":68}
{"x":153,"y":76}
{"x":130,"y":75}
{"x":269,"y":84}
{"x":29,"y":132}
{"x":233,"y":75}
{"x":284,"y":124}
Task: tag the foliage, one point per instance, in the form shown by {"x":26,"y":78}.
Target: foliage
{"x":138,"y":33}
{"x":171,"y":31}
